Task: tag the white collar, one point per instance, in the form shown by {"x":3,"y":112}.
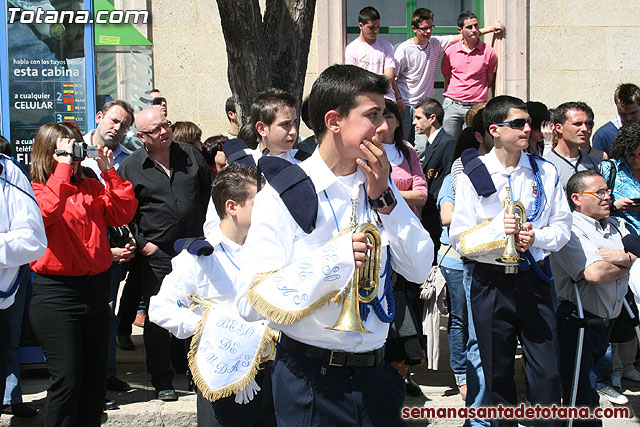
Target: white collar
{"x":322,"y":176}
{"x":493,"y":163}
{"x":432,"y":137}
{"x":216,"y":237}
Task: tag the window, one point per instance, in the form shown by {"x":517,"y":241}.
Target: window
{"x":396,"y":21}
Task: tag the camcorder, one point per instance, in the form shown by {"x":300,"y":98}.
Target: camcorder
{"x":79,"y":151}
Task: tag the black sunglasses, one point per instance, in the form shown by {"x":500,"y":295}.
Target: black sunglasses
{"x":516,"y":123}
{"x":158,"y":100}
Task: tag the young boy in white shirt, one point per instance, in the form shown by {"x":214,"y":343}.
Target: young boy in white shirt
{"x":272,"y":130}
{"x":213,"y":279}
{"x":301,"y":251}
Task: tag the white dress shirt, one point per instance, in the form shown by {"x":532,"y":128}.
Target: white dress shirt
{"x":552,"y":228}
{"x":22,"y":235}
{"x":212,"y":219}
{"x":275,"y":241}
{"x":208,"y":277}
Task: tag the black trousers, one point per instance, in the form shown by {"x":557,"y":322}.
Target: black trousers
{"x":69,"y":317}
{"x":505,"y":308}
{"x":157,"y":340}
{"x":594,"y":347}
{"x":227,"y":413}
{"x":307,"y":392}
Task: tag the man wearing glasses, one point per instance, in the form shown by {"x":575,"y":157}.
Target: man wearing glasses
{"x":510,"y":301}
{"x":573,"y":123}
{"x":172,"y":182}
{"x":416,"y":62}
{"x":595,"y":259}
{"x":113,"y":122}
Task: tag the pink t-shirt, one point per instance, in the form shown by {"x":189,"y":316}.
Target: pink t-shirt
{"x":467,"y":71}
{"x":372,"y":57}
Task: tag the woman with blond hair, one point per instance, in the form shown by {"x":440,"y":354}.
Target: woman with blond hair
{"x":69,"y":309}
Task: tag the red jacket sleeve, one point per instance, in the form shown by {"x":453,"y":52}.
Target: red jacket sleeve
{"x":119,"y":199}
{"x":53,"y":195}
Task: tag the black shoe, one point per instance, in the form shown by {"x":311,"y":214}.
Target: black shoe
{"x":20,"y":410}
{"x":167,"y":395}
{"x":413,"y":389}
{"x":124,"y":342}
{"x":110,"y":404}
{"x":116,"y":384}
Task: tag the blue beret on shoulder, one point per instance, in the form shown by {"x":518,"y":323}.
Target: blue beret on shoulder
{"x":194,"y":245}
{"x":632,"y":244}
{"x":477,"y":172}
{"x":295,"y":189}
{"x":236,"y":151}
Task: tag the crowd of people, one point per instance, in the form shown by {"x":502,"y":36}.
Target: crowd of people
{"x":291,"y":279}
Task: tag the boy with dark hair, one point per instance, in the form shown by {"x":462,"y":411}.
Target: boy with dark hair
{"x":293,"y":268}
{"x":272,"y":124}
{"x":507,"y":301}
{"x":627,"y":100}
{"x":272,"y":130}
{"x":469,"y":70}
{"x":232,"y":116}
{"x":373,"y":54}
{"x":199,"y":280}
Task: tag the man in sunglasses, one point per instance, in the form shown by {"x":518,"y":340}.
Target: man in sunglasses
{"x":172,"y":182}
{"x":594,"y":259}
{"x":507,"y":300}
{"x":573,"y":123}
{"x":158,"y":101}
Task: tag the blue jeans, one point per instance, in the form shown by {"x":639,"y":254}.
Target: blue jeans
{"x":14,"y":316}
{"x":475,"y":374}
{"x":454,"y":117}
{"x":604,"y":368}
{"x":457,"y":324}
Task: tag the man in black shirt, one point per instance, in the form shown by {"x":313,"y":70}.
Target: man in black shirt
{"x":172,"y":183}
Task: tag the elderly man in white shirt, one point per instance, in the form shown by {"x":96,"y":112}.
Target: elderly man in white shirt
{"x":596,"y":261}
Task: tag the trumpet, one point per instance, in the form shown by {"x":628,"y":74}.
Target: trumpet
{"x":366,"y":279}
{"x":510,"y":257}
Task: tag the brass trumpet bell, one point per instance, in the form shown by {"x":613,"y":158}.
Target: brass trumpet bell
{"x":366,"y":278}
{"x":510,"y":258}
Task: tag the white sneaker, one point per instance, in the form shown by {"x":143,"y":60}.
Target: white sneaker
{"x":613,"y":395}
{"x":632,"y":375}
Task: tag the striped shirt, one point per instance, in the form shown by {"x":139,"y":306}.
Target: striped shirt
{"x":416,"y":68}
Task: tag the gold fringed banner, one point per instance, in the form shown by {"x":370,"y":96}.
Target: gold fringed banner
{"x":267,"y":341}
{"x":484,"y":247}
{"x":315,"y":278}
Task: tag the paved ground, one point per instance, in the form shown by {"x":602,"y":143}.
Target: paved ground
{"x":139,"y":408}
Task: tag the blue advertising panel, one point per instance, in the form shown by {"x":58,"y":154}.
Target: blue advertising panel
{"x":47,"y":69}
